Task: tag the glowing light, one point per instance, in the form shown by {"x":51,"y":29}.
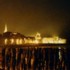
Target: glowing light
{"x":36,"y":41}
{"x":26,"y":60}
{"x":32,"y":61}
{"x":5,"y":30}
{"x":60,"y":56}
{"x":30,"y":41}
{"x":12,"y":41}
{"x":17,"y":41}
{"x":44,"y":40}
{"x":21,"y":41}
{"x":15,"y":33}
{"x":6,"y":41}
{"x":47,"y":40}
{"x":55,"y":40}
{"x":62,"y":41}
{"x":25,"y":40}
{"x":38,"y":36}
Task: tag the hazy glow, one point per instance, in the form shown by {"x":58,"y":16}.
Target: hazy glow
{"x":30,"y":41}
{"x":38,"y":36}
{"x":21,"y":41}
{"x":30,"y":16}
{"x":6,"y":41}
{"x":25,"y":40}
{"x":5,"y":30}
{"x":17,"y":41}
{"x":55,"y":40}
{"x":12,"y":41}
{"x":36,"y":40}
{"x":32,"y":61}
{"x":60,"y":56}
{"x":14,"y":33}
{"x":26,"y":60}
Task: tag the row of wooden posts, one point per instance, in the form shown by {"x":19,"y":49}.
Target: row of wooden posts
{"x":34,"y":59}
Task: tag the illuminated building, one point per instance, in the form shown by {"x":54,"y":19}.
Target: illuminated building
{"x":11,"y":38}
{"x":29,"y":39}
{"x":38,"y":38}
{"x":14,"y":39}
{"x":53,"y":40}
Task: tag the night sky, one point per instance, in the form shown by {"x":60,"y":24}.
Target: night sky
{"x":49,"y":17}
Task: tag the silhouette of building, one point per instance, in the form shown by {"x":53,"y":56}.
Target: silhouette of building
{"x":15,"y":38}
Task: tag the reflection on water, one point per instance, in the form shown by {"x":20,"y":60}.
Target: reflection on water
{"x":35,"y":59}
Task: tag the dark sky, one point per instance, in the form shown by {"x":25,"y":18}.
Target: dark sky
{"x":49,"y":17}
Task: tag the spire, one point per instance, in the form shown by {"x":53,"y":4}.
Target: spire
{"x":5,"y":30}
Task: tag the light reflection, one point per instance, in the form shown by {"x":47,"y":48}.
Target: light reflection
{"x":60,"y":56}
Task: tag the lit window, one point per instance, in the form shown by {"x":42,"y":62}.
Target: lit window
{"x":17,"y":41}
{"x":12,"y":41}
{"x":21,"y":41}
{"x":25,"y":40}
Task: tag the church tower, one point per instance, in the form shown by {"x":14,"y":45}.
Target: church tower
{"x":5,"y":29}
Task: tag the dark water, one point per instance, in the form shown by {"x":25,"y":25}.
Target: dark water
{"x":35,"y":58}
